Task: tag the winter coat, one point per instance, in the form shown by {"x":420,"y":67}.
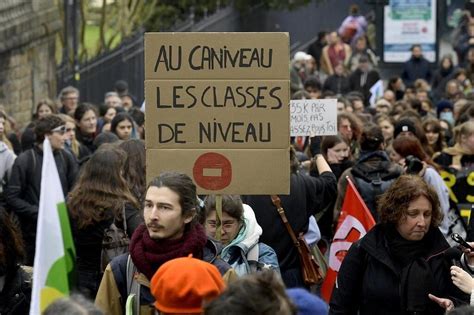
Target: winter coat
{"x":440,"y":79}
{"x":7,"y":158}
{"x":337,"y":84}
{"x":369,"y":279}
{"x":112,"y":294}
{"x":455,"y":155}
{"x":370,"y":170}
{"x":432,"y":178}
{"x":308,"y":195}
{"x":240,"y":251}
{"x":87,"y":141}
{"x":415,"y":69}
{"x":23,"y":190}
{"x":355,"y":83}
{"x":15,"y":296}
{"x":88,"y":244}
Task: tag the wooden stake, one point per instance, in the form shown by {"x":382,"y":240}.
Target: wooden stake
{"x":218,"y":217}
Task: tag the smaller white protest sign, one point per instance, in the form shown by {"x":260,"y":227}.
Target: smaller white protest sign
{"x":313,"y":117}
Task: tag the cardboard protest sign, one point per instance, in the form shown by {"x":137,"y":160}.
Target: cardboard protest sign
{"x":313,"y":117}
{"x":217,"y":109}
{"x":247,"y":56}
{"x":222,"y":171}
{"x":217,"y":114}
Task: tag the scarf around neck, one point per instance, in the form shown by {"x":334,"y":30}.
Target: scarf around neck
{"x":416,"y":278}
{"x":149,"y":254}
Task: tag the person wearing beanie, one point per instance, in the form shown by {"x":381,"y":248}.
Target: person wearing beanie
{"x":170,"y":231}
{"x":307,"y":303}
{"x":444,"y":109}
{"x":404,"y":127}
{"x":182,"y":285}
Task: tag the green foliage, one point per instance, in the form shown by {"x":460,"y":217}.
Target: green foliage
{"x":244,"y":5}
{"x":168,"y":13}
{"x":103,"y":27}
{"x":171,"y":12}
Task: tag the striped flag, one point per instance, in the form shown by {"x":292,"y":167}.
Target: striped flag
{"x":354,"y":222}
{"x":55,"y":253}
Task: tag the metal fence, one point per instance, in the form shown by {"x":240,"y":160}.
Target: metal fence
{"x":126,"y":62}
{"x":98,"y":76}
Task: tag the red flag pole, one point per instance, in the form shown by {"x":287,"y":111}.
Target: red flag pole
{"x":369,"y":217}
{"x":355,"y":216}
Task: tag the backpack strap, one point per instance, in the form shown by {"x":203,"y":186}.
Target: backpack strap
{"x":124,"y":218}
{"x":252,"y":258}
{"x":253,"y":253}
{"x":34,"y":158}
{"x":377,"y":185}
{"x":133,"y":287}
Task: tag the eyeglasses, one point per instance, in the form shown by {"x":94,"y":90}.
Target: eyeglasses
{"x":226,"y":225}
{"x":70,"y":129}
{"x":60,"y":129}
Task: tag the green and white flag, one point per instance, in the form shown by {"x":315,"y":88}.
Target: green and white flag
{"x":55,"y":253}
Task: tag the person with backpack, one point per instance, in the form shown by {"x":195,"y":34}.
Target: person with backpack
{"x":170,"y":231}
{"x":23,"y":190}
{"x":354,"y":26}
{"x":104,"y":214}
{"x":372,"y":173}
{"x":240,"y":236}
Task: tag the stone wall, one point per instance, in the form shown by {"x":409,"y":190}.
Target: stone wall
{"x":27,"y":55}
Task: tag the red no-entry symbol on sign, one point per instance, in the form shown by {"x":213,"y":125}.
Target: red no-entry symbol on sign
{"x":212,"y":171}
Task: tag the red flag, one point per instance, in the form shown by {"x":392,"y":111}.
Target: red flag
{"x":354,"y":222}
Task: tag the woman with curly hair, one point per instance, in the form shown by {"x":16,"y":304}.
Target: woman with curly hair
{"x":398,"y":267}
{"x":100,"y":197}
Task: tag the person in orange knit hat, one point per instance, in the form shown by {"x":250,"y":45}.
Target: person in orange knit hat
{"x":181,"y":285}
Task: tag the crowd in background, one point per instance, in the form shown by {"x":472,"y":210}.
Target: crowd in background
{"x":422,"y":125}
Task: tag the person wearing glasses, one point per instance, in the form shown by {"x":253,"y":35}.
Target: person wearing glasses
{"x":23,"y":190}
{"x":79,"y":150}
{"x":68,"y":100}
{"x":240,"y":234}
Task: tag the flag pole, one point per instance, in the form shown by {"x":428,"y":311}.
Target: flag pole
{"x":218,"y":217}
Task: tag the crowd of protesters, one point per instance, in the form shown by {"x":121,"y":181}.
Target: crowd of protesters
{"x":180,"y":257}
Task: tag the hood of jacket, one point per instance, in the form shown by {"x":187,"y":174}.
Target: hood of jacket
{"x":3,"y":147}
{"x":248,"y":235}
{"x":375,"y":165}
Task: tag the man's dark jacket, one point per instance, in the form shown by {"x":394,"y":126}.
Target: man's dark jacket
{"x":24,"y":187}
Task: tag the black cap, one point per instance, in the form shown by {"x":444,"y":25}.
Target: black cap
{"x":404,"y":125}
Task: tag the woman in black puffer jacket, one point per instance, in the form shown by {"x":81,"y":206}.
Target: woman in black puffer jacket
{"x":395,"y":267}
